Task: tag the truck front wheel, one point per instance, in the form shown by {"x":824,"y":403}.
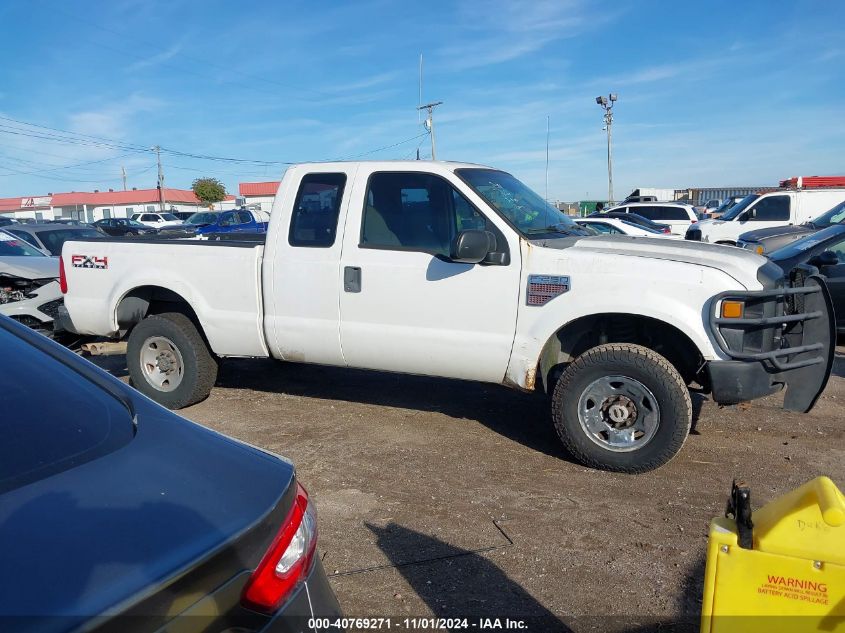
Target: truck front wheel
{"x":623,"y":408}
{"x":169,"y":361}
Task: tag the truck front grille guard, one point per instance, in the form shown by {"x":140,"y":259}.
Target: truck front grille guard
{"x":784,"y":298}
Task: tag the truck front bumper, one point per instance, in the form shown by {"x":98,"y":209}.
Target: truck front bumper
{"x":784,"y":339}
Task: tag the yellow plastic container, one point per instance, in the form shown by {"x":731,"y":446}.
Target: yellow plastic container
{"x":792,"y":580}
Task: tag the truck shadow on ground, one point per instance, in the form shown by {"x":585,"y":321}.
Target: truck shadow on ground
{"x":522,"y":417}
{"x":458,"y":583}
{"x":519,"y":416}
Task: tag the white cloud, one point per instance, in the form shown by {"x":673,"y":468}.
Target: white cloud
{"x":156,"y":59}
{"x":512,"y":30}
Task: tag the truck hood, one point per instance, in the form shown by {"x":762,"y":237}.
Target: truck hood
{"x":30,"y":267}
{"x":739,"y":263}
{"x":775,"y":231}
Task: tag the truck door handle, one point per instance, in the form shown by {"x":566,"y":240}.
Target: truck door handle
{"x":351,"y":279}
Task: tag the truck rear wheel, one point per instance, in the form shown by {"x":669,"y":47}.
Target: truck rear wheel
{"x":169,"y":361}
{"x":623,"y":408}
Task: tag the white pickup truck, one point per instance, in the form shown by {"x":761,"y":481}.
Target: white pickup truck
{"x":461,"y":271}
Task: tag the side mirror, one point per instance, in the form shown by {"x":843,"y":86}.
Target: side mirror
{"x":471,"y":246}
{"x":825,"y":258}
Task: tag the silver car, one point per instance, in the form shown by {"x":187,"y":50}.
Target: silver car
{"x":29,"y":286}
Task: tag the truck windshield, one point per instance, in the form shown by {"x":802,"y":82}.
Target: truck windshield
{"x":835,"y":216}
{"x":11,"y":245}
{"x":202,"y":217}
{"x":526,"y":211}
{"x":741,"y":206}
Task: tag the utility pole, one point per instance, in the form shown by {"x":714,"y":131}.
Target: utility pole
{"x":157,"y":150}
{"x":607,"y":105}
{"x":123,"y":173}
{"x":429,"y":125}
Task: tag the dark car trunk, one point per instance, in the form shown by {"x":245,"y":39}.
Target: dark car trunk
{"x":143,"y":531}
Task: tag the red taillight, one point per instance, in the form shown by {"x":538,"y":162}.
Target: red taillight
{"x":666,"y":230}
{"x":62,"y":277}
{"x":694,"y":221}
{"x":287,"y":561}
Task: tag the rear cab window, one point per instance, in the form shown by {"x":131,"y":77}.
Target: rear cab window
{"x":316,"y":210}
{"x":42,"y":436}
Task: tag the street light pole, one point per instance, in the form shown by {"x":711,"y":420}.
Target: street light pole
{"x":607,"y":105}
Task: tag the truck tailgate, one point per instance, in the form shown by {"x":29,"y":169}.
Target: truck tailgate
{"x":221,"y":281}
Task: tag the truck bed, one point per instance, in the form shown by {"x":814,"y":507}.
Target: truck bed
{"x":220,"y":279}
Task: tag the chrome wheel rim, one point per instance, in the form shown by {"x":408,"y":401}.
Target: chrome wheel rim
{"x":162,"y":364}
{"x":619,"y":413}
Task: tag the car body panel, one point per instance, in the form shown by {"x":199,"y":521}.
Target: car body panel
{"x":233,"y":222}
{"x":146,"y":530}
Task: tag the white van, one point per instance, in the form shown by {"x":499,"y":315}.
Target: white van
{"x":677,"y":215}
{"x":761,"y":211}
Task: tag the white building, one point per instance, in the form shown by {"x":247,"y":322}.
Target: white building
{"x":96,"y":205}
{"x":258,"y":195}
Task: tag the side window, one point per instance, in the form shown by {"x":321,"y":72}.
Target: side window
{"x":772,"y":209}
{"x":148,"y":217}
{"x":601,"y":227}
{"x":675,"y":213}
{"x":316,"y":209}
{"x":839,"y":249}
{"x":227,"y":219}
{"x":244,"y":217}
{"x":415,"y":211}
{"x":26,"y":237}
{"x":650,"y":213}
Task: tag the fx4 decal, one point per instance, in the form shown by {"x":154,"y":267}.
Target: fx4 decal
{"x":89,"y":261}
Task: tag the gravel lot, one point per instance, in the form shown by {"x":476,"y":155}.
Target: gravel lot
{"x":447,"y":498}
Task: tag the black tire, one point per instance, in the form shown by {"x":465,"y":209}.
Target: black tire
{"x":648,"y":368}
{"x":199,"y":364}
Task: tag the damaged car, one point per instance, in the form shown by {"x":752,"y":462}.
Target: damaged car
{"x":29,"y":286}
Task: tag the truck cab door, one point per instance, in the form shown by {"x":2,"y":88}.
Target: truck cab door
{"x":405,"y":306}
{"x":770,"y":211}
{"x":302,"y":276}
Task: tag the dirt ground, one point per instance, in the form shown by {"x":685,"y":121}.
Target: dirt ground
{"x":454,"y":499}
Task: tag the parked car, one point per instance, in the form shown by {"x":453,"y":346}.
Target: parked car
{"x":29,"y":285}
{"x":618,"y":226}
{"x":194,"y":222}
{"x":7,"y":221}
{"x":825,"y":250}
{"x":764,"y":241}
{"x":727,"y":204}
{"x":676,"y":215}
{"x":70,"y":221}
{"x":634,"y":218}
{"x":48,"y":238}
{"x":123,"y":226}
{"x":460,"y":271}
{"x":137,"y":513}
{"x":771,"y":209}
{"x":236,"y":221}
{"x":157,"y":220}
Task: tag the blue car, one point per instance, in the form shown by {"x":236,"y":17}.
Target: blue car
{"x":116,"y":514}
{"x":236,"y":221}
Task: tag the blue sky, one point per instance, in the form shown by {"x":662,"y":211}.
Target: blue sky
{"x":710,"y":93}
